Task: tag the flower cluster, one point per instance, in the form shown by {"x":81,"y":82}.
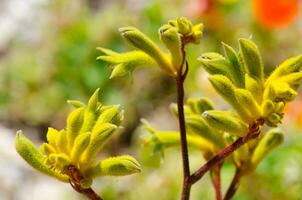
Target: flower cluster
{"x":77,"y":146}
{"x":239,"y":79}
{"x":175,"y":35}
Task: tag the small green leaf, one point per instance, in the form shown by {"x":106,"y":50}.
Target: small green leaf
{"x":115,"y":166}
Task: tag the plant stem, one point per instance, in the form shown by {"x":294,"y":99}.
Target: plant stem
{"x":233,"y":186}
{"x":254,"y":131}
{"x":216,"y":180}
{"x":180,"y":78}
{"x":75,"y":181}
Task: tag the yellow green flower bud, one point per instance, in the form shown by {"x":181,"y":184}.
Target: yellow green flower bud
{"x":236,"y":69}
{"x":171,"y":38}
{"x":115,"y":166}
{"x":140,"y":41}
{"x":271,"y":140}
{"x":225,"y":121}
{"x":79,"y":146}
{"x":34,"y":158}
{"x":197,"y":125}
{"x":251,"y":59}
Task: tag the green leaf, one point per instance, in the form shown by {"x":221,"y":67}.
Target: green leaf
{"x":252,"y":59}
{"x":115,"y":166}
{"x":34,"y":158}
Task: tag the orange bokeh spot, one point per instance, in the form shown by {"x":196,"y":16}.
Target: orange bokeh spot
{"x":275,"y":13}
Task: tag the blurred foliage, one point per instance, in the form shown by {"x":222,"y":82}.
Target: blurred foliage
{"x":39,"y":73}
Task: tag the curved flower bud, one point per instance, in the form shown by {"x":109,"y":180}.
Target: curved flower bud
{"x":254,"y":87}
{"x":97,"y":140}
{"x":226,"y":89}
{"x":171,"y":38}
{"x":115,"y":166}
{"x":245,"y":99}
{"x":198,"y":106}
{"x":225,"y":121}
{"x":140,"y":41}
{"x":112,"y":115}
{"x":197,"y":125}
{"x":267,"y":108}
{"x":215,"y":63}
{"x":123,"y":63}
{"x":252,"y":59}
{"x":271,"y":140}
{"x":74,"y":124}
{"x":80,"y":144}
{"x":289,"y":66}
{"x":235,"y":67}
{"x":33,"y":157}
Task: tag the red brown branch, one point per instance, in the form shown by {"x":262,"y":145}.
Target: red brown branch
{"x":218,"y":158}
{"x":216,"y":180}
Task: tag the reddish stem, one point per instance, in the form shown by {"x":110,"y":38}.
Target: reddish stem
{"x":216,"y":180}
{"x":252,"y":134}
{"x":183,"y":138}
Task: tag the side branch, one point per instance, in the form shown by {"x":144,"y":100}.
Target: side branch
{"x":218,"y":158}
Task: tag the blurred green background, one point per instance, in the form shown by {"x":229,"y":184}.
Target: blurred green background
{"x":48,"y":55}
